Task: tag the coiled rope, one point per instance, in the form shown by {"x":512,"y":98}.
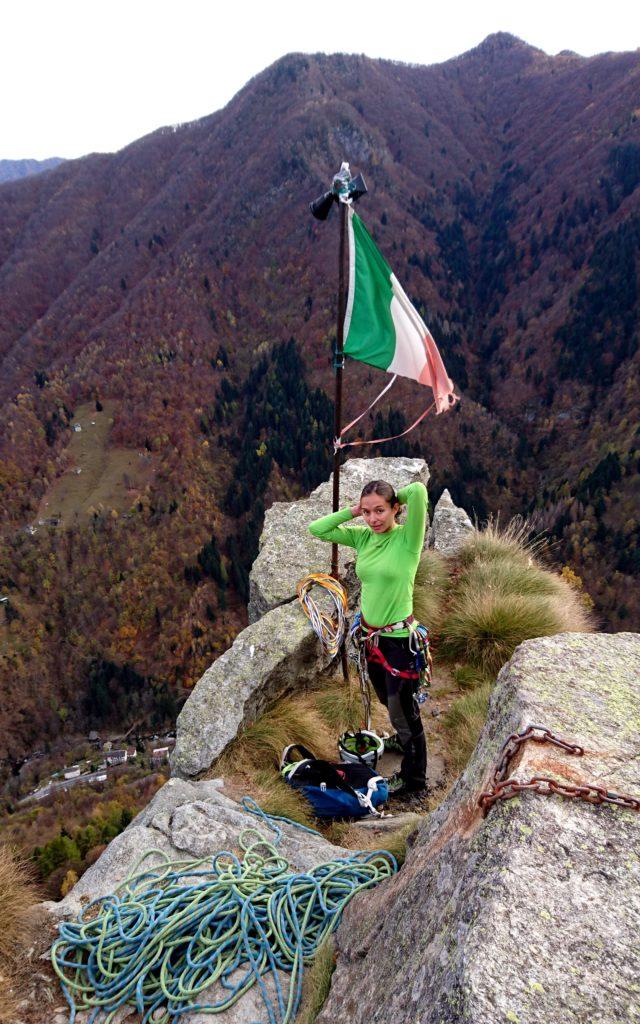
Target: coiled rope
{"x":177,"y":928}
{"x":330,"y":629}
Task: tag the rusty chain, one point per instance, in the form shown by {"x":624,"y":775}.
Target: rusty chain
{"x":504,"y":787}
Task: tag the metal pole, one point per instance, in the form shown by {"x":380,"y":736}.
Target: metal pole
{"x":337,"y":408}
{"x":339,"y":359}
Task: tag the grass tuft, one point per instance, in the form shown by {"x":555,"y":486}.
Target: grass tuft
{"x":464,"y":720}
{"x":513,"y":542}
{"x":429,"y":589}
{"x":18,"y":896}
{"x":468,"y":677}
{"x":274,"y":796}
{"x":509,"y":576}
{"x":340,"y":708}
{"x":483,"y":628}
{"x":502,"y":596}
{"x":317,"y":982}
{"x":261,"y":744}
{"x":355,"y":837}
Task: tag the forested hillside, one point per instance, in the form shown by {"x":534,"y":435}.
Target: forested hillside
{"x":181,"y":289}
{"x":10,"y":170}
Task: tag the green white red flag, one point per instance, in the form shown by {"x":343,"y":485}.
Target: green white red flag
{"x":382,"y":327}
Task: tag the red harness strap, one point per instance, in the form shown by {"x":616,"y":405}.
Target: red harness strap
{"x":375,"y":654}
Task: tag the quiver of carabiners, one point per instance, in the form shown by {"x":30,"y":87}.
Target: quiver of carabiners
{"x":420,"y":646}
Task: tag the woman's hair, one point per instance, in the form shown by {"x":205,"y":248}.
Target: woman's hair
{"x":382,"y":489}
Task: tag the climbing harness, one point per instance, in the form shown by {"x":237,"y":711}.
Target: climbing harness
{"x":505,"y":787}
{"x":330,"y":629}
{"x":365,"y":639}
{"x":178,"y":937}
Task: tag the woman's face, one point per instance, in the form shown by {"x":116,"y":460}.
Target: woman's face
{"x":378,"y":513}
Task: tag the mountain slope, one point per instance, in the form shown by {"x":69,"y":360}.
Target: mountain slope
{"x":170,"y":277}
{"x":12,"y":169}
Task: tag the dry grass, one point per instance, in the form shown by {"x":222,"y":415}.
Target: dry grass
{"x":355,"y":837}
{"x":260,"y":746}
{"x":574,"y":616}
{"x":18,"y":896}
{"x":317,"y":982}
{"x":431,"y":583}
{"x":315,"y":718}
{"x":494,"y":543}
{"x":468,"y":677}
{"x":502,"y":596}
{"x":483,"y":628}
{"x":340,"y":708}
{"x":464,"y":721}
{"x":274,"y":796}
{"x":507,"y":575}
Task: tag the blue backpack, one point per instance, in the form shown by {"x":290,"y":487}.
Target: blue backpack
{"x":334,"y":791}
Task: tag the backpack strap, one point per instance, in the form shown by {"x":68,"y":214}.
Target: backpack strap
{"x":364,"y":799}
{"x":288,"y":755}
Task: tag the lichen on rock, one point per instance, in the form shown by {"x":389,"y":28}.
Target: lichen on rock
{"x":532,"y":912}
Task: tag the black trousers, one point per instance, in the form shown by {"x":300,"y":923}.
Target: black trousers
{"x":397,"y":695}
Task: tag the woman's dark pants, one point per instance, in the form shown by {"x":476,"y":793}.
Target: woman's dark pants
{"x":397,"y":695}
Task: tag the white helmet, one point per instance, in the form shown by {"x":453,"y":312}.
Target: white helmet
{"x":360,"y":747}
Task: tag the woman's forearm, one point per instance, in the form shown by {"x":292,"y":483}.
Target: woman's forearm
{"x":415,"y":497}
{"x":330,"y":528}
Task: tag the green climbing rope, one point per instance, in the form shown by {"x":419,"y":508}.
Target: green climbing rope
{"x":176,"y":933}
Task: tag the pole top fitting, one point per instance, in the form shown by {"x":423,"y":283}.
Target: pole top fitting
{"x":344,"y":189}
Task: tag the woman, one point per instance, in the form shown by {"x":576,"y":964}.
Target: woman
{"x":386,"y":563}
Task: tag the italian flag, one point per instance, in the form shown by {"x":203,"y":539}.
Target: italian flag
{"x":381,"y":325}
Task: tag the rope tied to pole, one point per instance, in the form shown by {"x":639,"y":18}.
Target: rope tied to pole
{"x":330,"y":629}
{"x":177,"y":932}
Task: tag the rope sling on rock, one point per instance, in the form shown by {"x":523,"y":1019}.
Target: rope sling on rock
{"x":174,"y":929}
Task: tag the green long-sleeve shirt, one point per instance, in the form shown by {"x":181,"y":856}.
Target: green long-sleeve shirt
{"x":386,"y":563}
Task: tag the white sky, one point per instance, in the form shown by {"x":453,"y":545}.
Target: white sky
{"x":79,"y":76}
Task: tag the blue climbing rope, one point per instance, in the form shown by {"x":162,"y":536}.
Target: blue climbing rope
{"x":195,"y":935}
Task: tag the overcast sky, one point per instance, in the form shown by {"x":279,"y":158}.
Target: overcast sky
{"x":79,"y":76}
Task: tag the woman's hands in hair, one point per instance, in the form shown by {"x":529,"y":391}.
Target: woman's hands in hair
{"x":356,"y":510}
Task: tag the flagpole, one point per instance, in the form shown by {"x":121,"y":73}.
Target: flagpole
{"x":337,"y":407}
{"x":339,"y":364}
{"x":343,"y":187}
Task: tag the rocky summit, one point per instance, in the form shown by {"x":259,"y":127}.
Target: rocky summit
{"x":530,"y":914}
{"x":278,"y":652}
{"x":527,"y":913}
